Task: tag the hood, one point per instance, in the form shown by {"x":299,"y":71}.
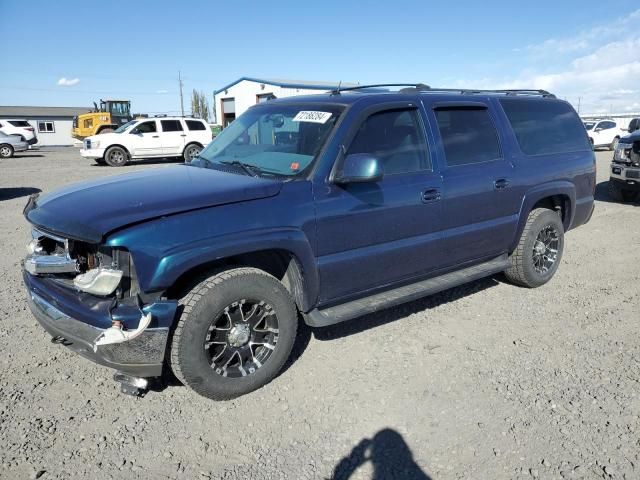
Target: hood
{"x":88,"y":211}
{"x":630,"y":138}
{"x":105,"y":138}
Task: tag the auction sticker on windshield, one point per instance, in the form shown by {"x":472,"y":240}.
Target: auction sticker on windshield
{"x":311,"y":116}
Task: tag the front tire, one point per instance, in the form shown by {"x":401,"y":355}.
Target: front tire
{"x":6,"y":151}
{"x":537,"y":256}
{"x":191,"y":151}
{"x":235,"y":332}
{"x":116,"y":157}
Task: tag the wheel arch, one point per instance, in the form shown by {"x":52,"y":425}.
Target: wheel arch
{"x":280,"y":263}
{"x":117,"y":145}
{"x":559,"y":196}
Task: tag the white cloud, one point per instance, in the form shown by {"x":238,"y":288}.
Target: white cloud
{"x":68,"y":82}
{"x":600,"y":70}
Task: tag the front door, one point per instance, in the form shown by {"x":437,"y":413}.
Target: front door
{"x":144,"y":140}
{"x":375,"y":234}
{"x":173,"y":137}
{"x":480,"y":198}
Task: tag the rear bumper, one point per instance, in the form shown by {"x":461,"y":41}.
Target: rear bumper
{"x":76,"y":319}
{"x":33,"y":141}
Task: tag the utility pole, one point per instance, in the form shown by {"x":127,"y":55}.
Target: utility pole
{"x":181,"y":99}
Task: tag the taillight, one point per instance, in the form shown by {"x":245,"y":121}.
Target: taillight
{"x":30,"y":129}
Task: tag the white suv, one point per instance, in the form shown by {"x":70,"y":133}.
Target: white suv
{"x":149,"y":138}
{"x":13,"y":126}
{"x":604,"y":133}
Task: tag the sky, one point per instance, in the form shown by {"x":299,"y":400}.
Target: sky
{"x":71,"y":53}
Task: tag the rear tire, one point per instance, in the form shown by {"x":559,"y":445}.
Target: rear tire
{"x":116,"y":157}
{"x":6,"y":151}
{"x":191,"y":151}
{"x":537,"y":256}
{"x":235,"y":333}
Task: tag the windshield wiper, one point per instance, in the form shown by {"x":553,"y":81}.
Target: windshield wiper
{"x":247,"y":167}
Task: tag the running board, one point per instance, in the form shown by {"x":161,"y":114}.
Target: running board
{"x":407,"y":293}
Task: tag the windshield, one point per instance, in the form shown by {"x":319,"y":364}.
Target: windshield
{"x":276,"y":139}
{"x":589,"y":125}
{"x":122,"y":128}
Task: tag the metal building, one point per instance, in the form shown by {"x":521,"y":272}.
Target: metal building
{"x":233,"y":99}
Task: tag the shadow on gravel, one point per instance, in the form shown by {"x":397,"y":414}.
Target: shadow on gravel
{"x":147,"y":161}
{"x":17,"y":192}
{"x":390,"y":457}
{"x":601,"y":194}
{"x":399,"y":312}
{"x":27,"y":155}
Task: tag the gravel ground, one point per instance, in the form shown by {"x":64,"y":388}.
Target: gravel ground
{"x":482,"y":381}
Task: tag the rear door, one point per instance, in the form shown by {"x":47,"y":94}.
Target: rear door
{"x":373,"y":235}
{"x":198,"y":131}
{"x":144,"y":140}
{"x":480,"y":197}
{"x":173,"y":137}
{"x":604,"y":132}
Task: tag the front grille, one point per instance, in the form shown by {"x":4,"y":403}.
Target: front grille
{"x":633,"y":174}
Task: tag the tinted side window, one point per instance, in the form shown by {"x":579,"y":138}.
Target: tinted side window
{"x":195,"y":125}
{"x":468,"y":135}
{"x":606,"y":125}
{"x":171,"y":125}
{"x":145,"y":127}
{"x":19,"y":123}
{"x":545,"y":126}
{"x":395,"y":137}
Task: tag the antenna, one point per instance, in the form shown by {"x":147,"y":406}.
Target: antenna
{"x":339,"y":84}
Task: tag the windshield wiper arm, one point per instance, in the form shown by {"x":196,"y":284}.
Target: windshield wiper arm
{"x":247,"y":167}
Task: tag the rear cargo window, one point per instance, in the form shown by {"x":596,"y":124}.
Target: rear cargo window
{"x":468,"y":135}
{"x":195,"y":125}
{"x":546,"y":126}
{"x":19,"y":123}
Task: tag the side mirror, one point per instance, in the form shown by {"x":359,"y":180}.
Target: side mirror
{"x":359,"y":168}
{"x":598,"y":130}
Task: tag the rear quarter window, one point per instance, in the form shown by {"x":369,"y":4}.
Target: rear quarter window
{"x":195,"y":125}
{"x":19,"y":123}
{"x":545,"y":126}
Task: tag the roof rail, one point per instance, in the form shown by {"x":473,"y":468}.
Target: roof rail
{"x":423,"y":88}
{"x":516,"y":91}
{"x":416,"y":86}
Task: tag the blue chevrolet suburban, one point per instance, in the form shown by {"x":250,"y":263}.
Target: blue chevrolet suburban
{"x":313,"y":208}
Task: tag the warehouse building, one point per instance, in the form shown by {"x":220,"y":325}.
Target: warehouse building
{"x":233,"y":99}
{"x":51,"y":124}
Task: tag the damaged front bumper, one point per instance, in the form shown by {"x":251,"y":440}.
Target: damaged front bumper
{"x":78,"y":320}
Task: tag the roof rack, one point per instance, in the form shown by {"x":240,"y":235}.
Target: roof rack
{"x":423,"y":88}
{"x":416,"y":86}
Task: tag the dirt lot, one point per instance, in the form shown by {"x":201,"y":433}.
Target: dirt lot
{"x":484,"y":381}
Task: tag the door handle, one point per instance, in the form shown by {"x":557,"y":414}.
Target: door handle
{"x":430,"y":195}
{"x":155,"y":136}
{"x":183,"y":134}
{"x":501,"y":183}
